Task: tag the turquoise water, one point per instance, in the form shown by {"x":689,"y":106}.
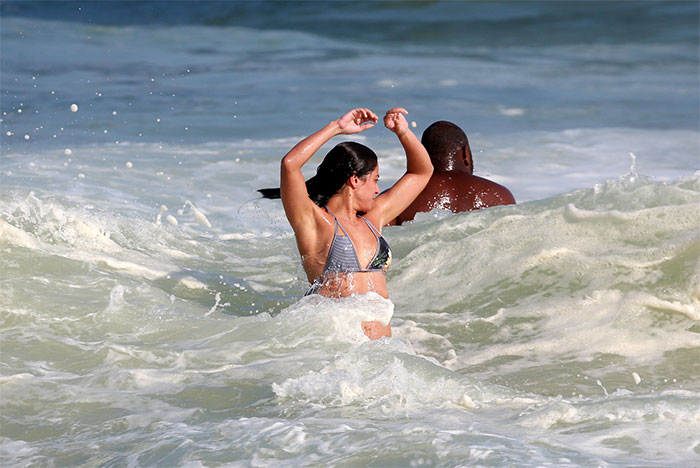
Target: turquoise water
{"x":151,"y":303}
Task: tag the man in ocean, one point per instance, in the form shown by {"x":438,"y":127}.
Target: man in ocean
{"x":453,"y":185}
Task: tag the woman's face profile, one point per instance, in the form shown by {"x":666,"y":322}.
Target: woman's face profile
{"x":367,"y":190}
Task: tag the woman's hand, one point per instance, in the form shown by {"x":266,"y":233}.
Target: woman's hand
{"x":395,"y":121}
{"x":375,"y":330}
{"x":356,"y":121}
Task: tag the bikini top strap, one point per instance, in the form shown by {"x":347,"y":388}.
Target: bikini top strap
{"x":337,"y":223}
{"x":330,"y":249}
{"x":376,"y":233}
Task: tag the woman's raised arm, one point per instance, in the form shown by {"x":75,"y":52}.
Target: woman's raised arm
{"x":392,"y":202}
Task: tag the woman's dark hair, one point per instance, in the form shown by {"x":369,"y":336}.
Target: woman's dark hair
{"x":342,"y":162}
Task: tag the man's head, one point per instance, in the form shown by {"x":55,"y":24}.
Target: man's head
{"x":447,"y":144}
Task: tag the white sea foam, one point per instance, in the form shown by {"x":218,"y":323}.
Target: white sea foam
{"x":336,"y":320}
{"x":15,"y":236}
{"x":392,"y":382}
{"x":581,"y":253}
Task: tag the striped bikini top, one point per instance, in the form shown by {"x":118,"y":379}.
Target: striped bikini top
{"x":342,"y":256}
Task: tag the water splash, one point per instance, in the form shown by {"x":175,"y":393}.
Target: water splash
{"x":162,"y":210}
{"x":631,"y":174}
{"x":169,"y":218}
{"x":198,"y":215}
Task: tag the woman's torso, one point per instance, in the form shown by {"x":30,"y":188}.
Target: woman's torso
{"x":350,"y":257}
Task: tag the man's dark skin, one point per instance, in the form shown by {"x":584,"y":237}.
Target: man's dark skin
{"x":453,"y":186}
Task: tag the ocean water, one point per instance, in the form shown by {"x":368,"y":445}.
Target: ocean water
{"x":151,"y":303}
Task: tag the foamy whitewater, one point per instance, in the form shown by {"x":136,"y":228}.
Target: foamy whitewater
{"x":151,"y":302}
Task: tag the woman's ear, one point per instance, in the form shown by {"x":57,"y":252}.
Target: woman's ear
{"x":353,"y":181}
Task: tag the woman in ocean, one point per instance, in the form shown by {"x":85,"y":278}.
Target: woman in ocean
{"x":338,"y":214}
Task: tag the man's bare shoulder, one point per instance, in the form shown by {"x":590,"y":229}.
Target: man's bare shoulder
{"x":458,"y":192}
{"x":491,"y":193}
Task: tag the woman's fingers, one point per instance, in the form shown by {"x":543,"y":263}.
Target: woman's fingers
{"x":365,"y":118}
{"x":395,"y":121}
{"x":361,"y":116}
{"x":397,"y":110}
{"x":394,"y":115}
{"x":364,"y":115}
{"x":357,"y":120}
